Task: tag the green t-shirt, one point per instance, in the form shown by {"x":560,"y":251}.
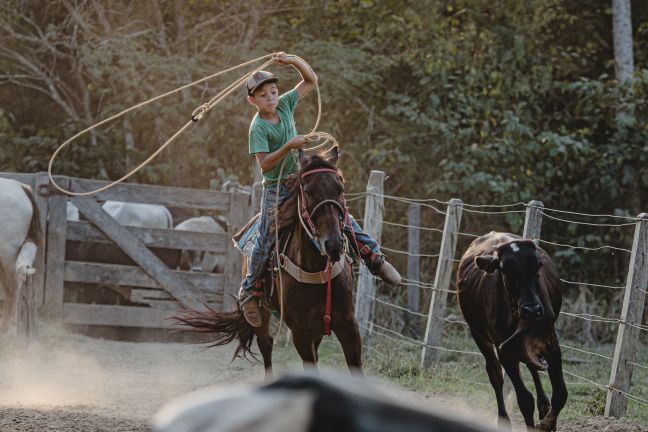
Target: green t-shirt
{"x":266,"y":137}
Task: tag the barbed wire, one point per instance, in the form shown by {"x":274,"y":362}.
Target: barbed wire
{"x":637,"y":365}
{"x":468,"y":234}
{"x":584,"y":247}
{"x":496,"y":205}
{"x":585,"y":351}
{"x":583,"y":214}
{"x":412,"y":226}
{"x":415,"y":342}
{"x":637,"y":326}
{"x":398,"y":307}
{"x":354,"y":198}
{"x":363,"y":193}
{"x":409,"y":201}
{"x":402,"y":252}
{"x":608,"y":387}
{"x":493,"y":212}
{"x":585,"y":317}
{"x":592,"y":284}
{"x":585,"y":223}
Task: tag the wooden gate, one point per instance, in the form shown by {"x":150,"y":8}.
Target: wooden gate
{"x":151,"y":285}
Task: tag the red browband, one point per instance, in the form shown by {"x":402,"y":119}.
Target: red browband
{"x":317,"y":170}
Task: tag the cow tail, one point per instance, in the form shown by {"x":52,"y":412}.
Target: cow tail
{"x":221,"y":328}
{"x":35,"y":233}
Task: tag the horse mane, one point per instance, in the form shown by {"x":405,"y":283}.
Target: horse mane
{"x":287,"y":211}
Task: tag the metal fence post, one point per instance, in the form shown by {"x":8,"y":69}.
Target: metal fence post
{"x":441,"y":283}
{"x":533,"y":221}
{"x":373,"y":218}
{"x":631,"y":314}
{"x":413,"y":269}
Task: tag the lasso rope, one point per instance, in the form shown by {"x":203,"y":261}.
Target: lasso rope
{"x":197,"y":114}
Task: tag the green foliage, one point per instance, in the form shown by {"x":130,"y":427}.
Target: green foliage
{"x":491,"y":102}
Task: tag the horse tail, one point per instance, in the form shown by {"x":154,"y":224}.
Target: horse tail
{"x":35,"y":233}
{"x":222,"y":328}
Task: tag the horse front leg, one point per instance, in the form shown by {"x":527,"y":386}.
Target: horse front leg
{"x":349,"y":336}
{"x":304,"y":343}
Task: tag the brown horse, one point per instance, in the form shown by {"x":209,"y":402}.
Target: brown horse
{"x":319,"y":191}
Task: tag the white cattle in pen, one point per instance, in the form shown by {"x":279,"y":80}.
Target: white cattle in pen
{"x":139,"y":215}
{"x":20,"y":234}
{"x":196,"y":260}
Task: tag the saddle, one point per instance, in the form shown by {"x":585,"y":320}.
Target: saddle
{"x":244,"y":242}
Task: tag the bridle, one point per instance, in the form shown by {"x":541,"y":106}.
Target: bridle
{"x":306,"y":216}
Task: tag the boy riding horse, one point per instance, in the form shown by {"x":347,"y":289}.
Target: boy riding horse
{"x":272,"y":138}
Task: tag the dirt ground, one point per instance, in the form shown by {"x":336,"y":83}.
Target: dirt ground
{"x":66,"y":382}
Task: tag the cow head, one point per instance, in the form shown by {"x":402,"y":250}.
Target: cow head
{"x":519,"y":265}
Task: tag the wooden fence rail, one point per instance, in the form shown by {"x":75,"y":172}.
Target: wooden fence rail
{"x":151,"y":281}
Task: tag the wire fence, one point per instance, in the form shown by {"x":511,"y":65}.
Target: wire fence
{"x":393,"y":304}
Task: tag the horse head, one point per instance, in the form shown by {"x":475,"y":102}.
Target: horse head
{"x":321,"y":208}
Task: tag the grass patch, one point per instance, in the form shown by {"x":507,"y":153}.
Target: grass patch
{"x":463,"y":376}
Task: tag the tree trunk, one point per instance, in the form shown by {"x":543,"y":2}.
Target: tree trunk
{"x":622,"y":33}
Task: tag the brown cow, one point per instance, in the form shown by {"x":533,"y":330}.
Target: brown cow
{"x":510,"y":296}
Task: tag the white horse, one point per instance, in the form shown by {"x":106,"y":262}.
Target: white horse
{"x":20,"y":234}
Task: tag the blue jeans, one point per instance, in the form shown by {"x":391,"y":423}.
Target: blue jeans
{"x":264,"y":242}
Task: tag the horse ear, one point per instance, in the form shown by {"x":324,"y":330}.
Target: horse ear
{"x":332,"y":154}
{"x":302,"y":156}
{"x":488,"y":263}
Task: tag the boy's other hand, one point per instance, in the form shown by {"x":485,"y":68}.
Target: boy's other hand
{"x":282,"y":59}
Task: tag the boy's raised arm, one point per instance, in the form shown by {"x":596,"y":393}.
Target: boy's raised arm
{"x":309,"y":79}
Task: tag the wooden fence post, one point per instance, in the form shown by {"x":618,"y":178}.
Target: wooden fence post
{"x":41,"y":196}
{"x":413,"y":269}
{"x":237,"y":217}
{"x":434,"y":328}
{"x":373,"y":217}
{"x":55,"y":252}
{"x":631,"y":314}
{"x":533,"y":221}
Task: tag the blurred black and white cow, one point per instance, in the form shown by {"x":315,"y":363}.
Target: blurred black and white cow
{"x":197,"y":260}
{"x":20,"y":235}
{"x":304,"y":403}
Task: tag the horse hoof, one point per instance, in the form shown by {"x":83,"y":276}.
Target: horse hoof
{"x":547,"y":424}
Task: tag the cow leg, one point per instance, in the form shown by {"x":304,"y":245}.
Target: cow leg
{"x":494,"y":371}
{"x":542,"y":400}
{"x":305,"y":348}
{"x":349,"y":337}
{"x":558,"y":387}
{"x":524,"y":396}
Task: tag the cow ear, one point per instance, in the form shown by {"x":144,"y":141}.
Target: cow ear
{"x":488,"y":263}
